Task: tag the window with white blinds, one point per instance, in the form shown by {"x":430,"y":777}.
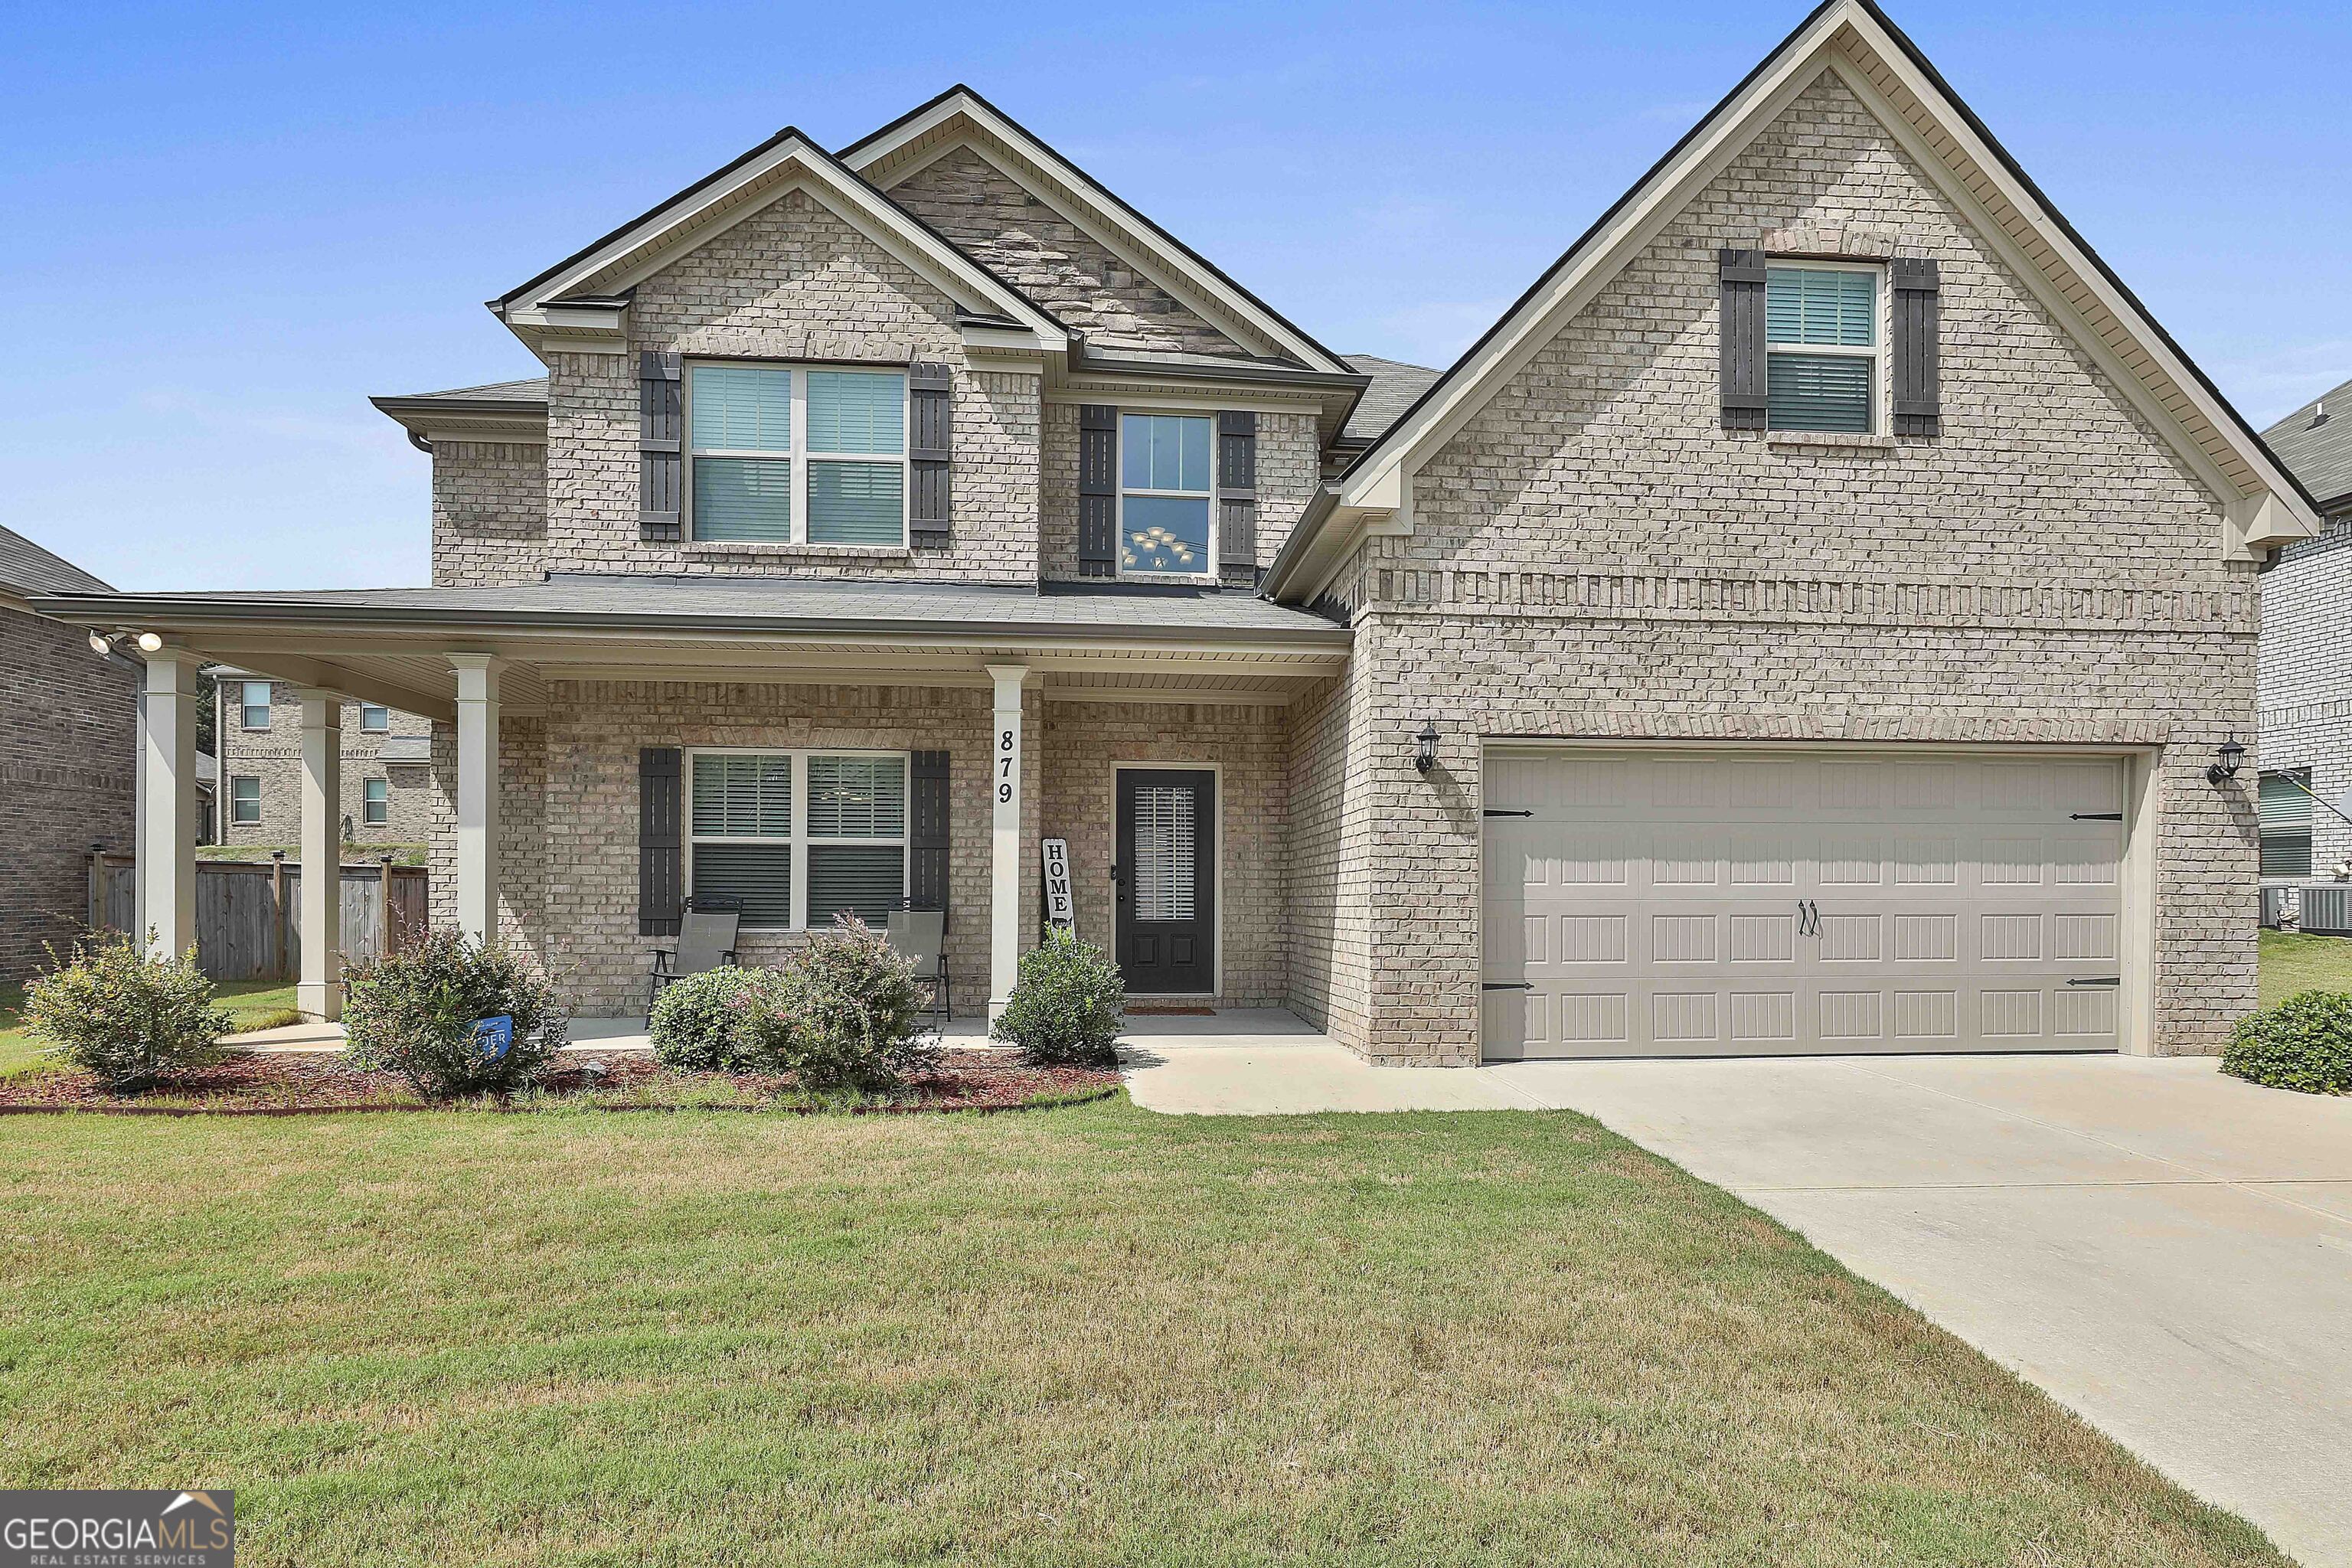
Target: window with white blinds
{"x":1163,"y":853}
{"x":784,"y":455}
{"x":1825,"y":351}
{"x":2285,"y":803}
{"x":799,"y":835}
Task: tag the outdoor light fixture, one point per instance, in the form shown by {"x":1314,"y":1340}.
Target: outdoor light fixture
{"x":150,"y":643}
{"x":1425,"y":747}
{"x":100,"y":644}
{"x":2226,"y":769}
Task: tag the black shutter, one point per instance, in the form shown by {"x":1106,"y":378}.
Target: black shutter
{"x":1237,"y":498}
{"x":1097,"y":491}
{"x":661,"y":859}
{"x":659,"y":429}
{"x":1916,"y":281}
{"x":1745,"y":400}
{"x":927,"y":394}
{"x":927,"y":831}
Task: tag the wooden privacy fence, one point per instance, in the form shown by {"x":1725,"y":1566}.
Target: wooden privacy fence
{"x":249,"y":913}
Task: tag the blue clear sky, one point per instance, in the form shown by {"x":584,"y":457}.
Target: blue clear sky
{"x":229,"y":225}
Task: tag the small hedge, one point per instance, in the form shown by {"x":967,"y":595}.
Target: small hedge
{"x":1067,"y":1006}
{"x":848,"y":1017}
{"x":699,"y":1022}
{"x":127,"y":1019}
{"x":413,"y":1014}
{"x":2304,"y":1043}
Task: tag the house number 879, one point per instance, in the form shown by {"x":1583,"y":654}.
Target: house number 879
{"x":1004,"y":744}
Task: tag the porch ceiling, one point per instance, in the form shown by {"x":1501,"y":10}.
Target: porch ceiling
{"x":392,"y":646}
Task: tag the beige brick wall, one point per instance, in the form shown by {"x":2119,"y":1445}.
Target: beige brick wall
{"x":2306,"y":682}
{"x":68,"y":752}
{"x":1594,"y":556}
{"x":1052,"y":259}
{"x":1085,"y":744}
{"x":794,"y":282}
{"x":1331,"y":860}
{"x":489,"y":513}
{"x":274,"y":756}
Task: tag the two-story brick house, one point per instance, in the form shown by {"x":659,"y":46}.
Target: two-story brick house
{"x":1804,"y":622}
{"x":2306,"y":662}
{"x":386,"y":773}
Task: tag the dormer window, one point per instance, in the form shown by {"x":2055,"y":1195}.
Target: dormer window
{"x":790,"y":455}
{"x":1826,"y":348}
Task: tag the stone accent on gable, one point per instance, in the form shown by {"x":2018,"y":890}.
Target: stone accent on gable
{"x":1050,"y":259}
{"x":792,"y":282}
{"x":489,"y":513}
{"x":67,"y":755}
{"x":275,"y":757}
{"x":1085,"y":744}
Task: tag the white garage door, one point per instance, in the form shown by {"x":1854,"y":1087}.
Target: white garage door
{"x":1699,"y":903}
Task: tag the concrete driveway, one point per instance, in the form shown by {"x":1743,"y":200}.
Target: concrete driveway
{"x":2167,"y":1251}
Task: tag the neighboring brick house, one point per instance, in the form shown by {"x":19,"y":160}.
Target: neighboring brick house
{"x":387,"y":776}
{"x":1804,"y":622}
{"x":69,"y":752}
{"x":2305,"y":750}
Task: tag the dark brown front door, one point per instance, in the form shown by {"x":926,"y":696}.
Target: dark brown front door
{"x":1166,"y":879}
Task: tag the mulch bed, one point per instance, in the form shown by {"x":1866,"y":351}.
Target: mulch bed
{"x":310,"y":1083}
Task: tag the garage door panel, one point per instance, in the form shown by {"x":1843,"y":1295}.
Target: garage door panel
{"x":1810,"y":903}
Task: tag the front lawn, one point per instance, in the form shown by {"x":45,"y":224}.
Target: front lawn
{"x":2291,"y":961}
{"x":1080,"y":1336}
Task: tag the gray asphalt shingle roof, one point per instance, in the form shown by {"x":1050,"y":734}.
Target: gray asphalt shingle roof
{"x":27,"y":568}
{"x":531,"y":389}
{"x":766,"y":601}
{"x":2318,"y":451}
{"x":1395,"y":386}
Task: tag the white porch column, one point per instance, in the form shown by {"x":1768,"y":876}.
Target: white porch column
{"x":478,"y":795}
{"x":319,"y":990}
{"x":167,"y":805}
{"x":1004,"y":867}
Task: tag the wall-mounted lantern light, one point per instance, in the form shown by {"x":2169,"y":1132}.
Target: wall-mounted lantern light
{"x":1425,"y":747}
{"x":2231,"y":754}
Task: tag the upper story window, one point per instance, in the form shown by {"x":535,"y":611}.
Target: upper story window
{"x":253,"y":704}
{"x":2285,"y":805}
{"x":1826,"y":346}
{"x":375,"y":719}
{"x":792,"y":455}
{"x":1164,"y":515}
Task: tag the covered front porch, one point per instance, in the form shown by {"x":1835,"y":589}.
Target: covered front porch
{"x":606,"y":748}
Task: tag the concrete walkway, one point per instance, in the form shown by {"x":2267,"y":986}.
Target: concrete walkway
{"x":1244,"y":1063}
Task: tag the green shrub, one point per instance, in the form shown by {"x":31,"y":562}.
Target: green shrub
{"x":112,"y":1011}
{"x":846,"y":1015}
{"x":413,"y":1014}
{"x":698,"y":1022}
{"x":1068,"y":1006}
{"x":2304,"y":1043}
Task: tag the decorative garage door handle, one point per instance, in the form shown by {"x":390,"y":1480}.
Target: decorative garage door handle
{"x":1506,"y":985}
{"x":1808,"y":918}
{"x":2104,"y":980}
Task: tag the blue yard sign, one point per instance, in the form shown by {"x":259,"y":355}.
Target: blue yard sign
{"x":494,"y":1037}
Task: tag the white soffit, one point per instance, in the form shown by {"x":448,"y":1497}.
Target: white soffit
{"x":960,"y":118}
{"x":1851,"y":40}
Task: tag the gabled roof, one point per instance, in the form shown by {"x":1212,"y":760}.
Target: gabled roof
{"x":961,"y":117}
{"x":1396,"y":386}
{"x":1886,"y":71}
{"x":595,"y":279}
{"x":2315,"y":441}
{"x":27,"y":569}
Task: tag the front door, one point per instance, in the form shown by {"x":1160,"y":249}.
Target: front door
{"x":1166,"y":875}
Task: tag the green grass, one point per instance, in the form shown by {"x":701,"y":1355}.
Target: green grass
{"x":253,"y":1004}
{"x":2293,"y":961}
{"x":1073,"y":1337}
